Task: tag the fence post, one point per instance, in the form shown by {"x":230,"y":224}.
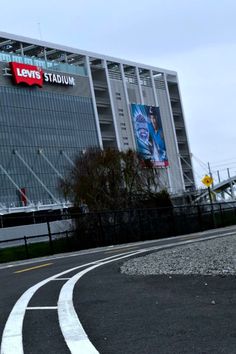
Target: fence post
{"x":234,"y":210}
{"x":141,"y":233}
{"x":101,"y":231}
{"x":50,"y":237}
{"x":67,"y":240}
{"x":172,"y":224}
{"x":199,"y":214}
{"x":221,"y":216}
{"x":26,"y":247}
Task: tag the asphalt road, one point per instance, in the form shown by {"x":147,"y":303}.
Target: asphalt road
{"x":119,"y":313}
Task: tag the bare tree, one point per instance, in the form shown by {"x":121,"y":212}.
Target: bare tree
{"x":110,"y":179}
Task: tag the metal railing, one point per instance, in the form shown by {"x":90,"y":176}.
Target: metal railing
{"x":96,"y":229}
{"x":28,"y":241}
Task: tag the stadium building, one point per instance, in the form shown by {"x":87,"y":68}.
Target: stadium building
{"x":56,"y":101}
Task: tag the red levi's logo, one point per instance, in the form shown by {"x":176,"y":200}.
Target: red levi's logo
{"x":27,"y":74}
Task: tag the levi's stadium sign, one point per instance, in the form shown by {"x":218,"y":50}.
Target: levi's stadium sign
{"x":28,"y":74}
{"x":33,"y":75}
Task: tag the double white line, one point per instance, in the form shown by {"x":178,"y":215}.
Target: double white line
{"x":72,"y":330}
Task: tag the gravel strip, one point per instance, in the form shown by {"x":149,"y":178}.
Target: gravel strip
{"x":212,"y":257}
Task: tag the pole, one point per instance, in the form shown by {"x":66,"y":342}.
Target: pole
{"x":212,"y":207}
{"x":50,"y":237}
{"x":210,"y":173}
{"x":26,"y":247}
{"x":222,"y":192}
{"x":231,"y":185}
{"x":210,"y":197}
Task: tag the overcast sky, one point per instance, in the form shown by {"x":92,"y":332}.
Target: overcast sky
{"x":197,"y":38}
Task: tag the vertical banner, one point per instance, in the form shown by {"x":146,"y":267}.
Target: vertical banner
{"x":23,"y":197}
{"x":149,"y":134}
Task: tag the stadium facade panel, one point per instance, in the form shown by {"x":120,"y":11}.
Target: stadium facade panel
{"x":56,"y":101}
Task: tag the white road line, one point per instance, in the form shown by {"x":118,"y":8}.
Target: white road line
{"x":42,"y":308}
{"x":71,"y":327}
{"x":12,"y":341}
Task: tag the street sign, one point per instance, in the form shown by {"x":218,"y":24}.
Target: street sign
{"x":207,"y":180}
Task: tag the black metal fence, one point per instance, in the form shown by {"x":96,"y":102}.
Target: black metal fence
{"x":36,"y":246}
{"x":36,"y":217}
{"x":115,"y":227}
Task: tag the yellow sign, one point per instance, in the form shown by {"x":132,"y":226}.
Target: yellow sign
{"x":207,"y":180}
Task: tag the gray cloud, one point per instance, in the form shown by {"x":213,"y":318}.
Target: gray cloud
{"x":195,"y":37}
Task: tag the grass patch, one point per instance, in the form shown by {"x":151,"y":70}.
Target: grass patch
{"x":35,"y":250}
